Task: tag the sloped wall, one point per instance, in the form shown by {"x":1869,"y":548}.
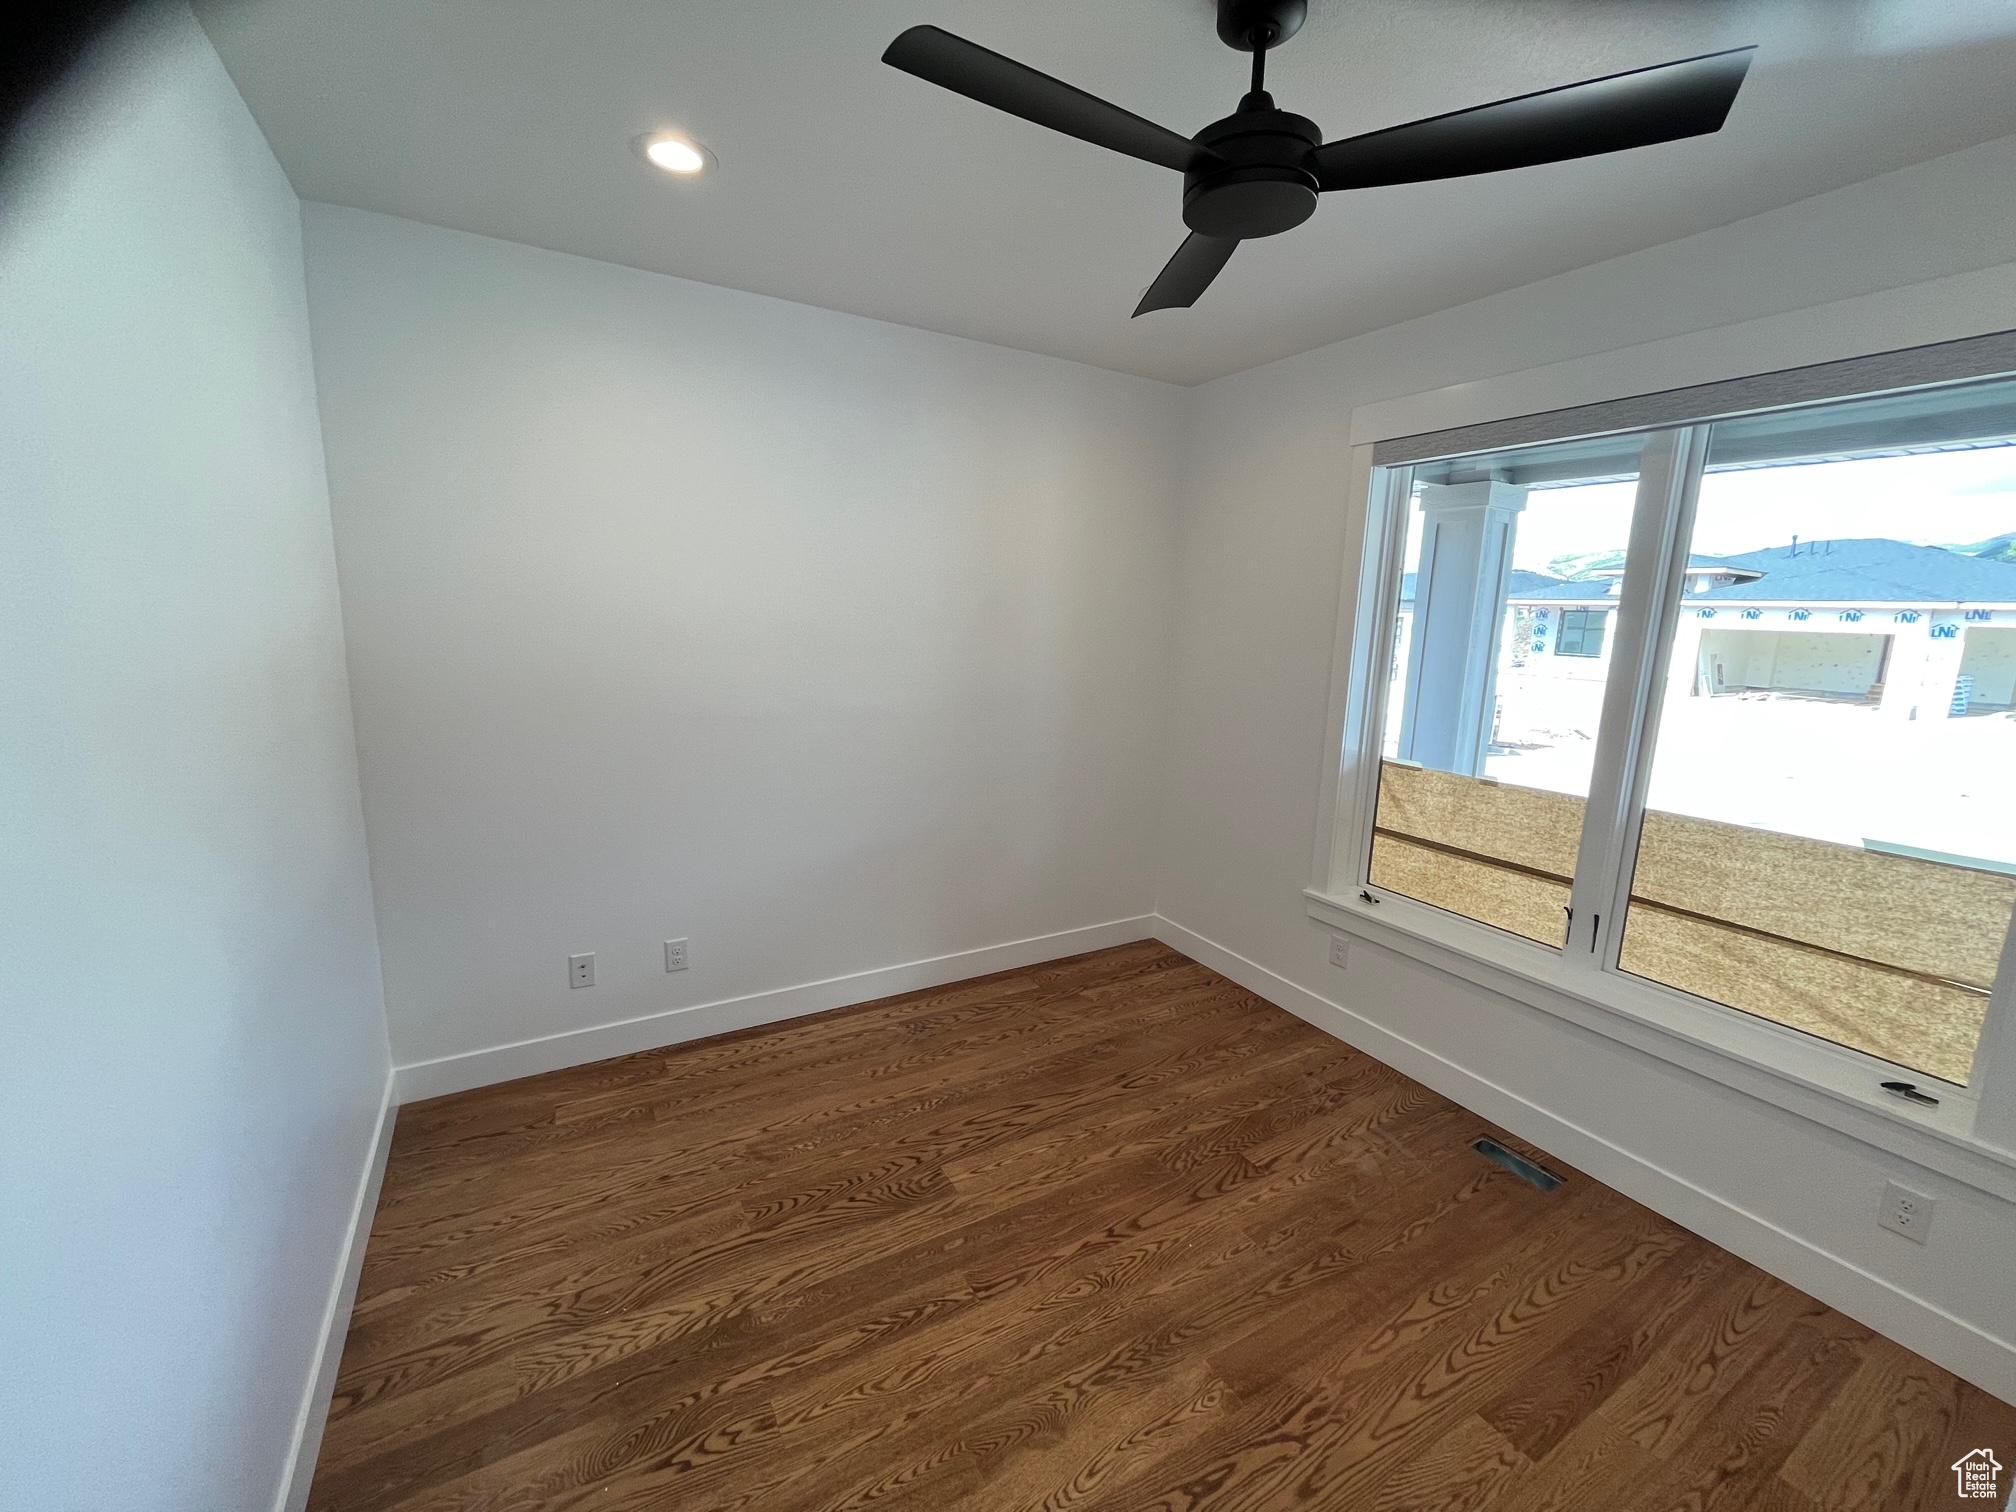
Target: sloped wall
{"x":192,"y":1043}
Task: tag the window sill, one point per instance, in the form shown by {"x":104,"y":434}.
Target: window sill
{"x":1829,"y":1084}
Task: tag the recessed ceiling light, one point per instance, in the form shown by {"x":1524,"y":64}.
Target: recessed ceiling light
{"x":677,"y":155}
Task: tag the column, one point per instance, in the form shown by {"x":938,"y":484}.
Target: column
{"x":1459,"y":596}
{"x":1683,"y":667}
{"x":1925,"y":652}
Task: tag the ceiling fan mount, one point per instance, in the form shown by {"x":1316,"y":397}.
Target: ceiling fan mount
{"x":1258,"y":172}
{"x":1256,"y":25}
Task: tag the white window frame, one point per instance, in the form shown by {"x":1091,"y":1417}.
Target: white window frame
{"x":1970,"y":1135}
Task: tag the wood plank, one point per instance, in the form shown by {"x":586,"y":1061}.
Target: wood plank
{"x":1542,"y":1409}
{"x":1523,"y":825}
{"x":1343,"y":1423}
{"x":1534,"y":907}
{"x":1877,"y":1445}
{"x":1925,"y":916}
{"x":1732,"y":1459}
{"x":1885,"y":953}
{"x":1927,"y":1026}
{"x":1103,"y":1233}
{"x":1979,"y":1422}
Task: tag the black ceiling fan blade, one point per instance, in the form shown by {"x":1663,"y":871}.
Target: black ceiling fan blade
{"x":1661,"y":104}
{"x":1187,"y":274}
{"x":969,"y":69}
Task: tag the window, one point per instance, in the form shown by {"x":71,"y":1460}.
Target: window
{"x":1829,"y":830}
{"x":1720,"y":716}
{"x":1490,"y":740}
{"x":1581,"y":632}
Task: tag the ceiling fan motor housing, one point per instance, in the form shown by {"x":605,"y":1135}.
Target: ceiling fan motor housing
{"x":1265,"y":186}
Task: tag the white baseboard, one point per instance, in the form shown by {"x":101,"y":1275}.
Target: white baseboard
{"x":1947,"y":1340}
{"x":483,"y":1068}
{"x":298,"y":1473}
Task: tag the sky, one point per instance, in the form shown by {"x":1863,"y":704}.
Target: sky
{"x":1936,"y":499}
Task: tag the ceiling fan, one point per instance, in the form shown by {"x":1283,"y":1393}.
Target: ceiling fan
{"x":1258,"y":171}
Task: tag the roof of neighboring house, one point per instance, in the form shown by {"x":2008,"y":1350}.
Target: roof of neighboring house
{"x":1839,"y":572}
{"x":1522,"y":584}
{"x":1575,"y":591}
{"x":1523,"y":581}
{"x":1828,"y":572}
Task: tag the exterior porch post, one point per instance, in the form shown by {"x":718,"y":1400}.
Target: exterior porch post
{"x":1459,"y":597}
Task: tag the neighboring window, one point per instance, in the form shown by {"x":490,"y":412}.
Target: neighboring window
{"x":1807,"y":694}
{"x":1581,"y":632}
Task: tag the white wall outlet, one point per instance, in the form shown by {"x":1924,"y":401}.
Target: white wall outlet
{"x":581,"y":970}
{"x":675,"y":955}
{"x":1906,"y":1212}
{"x":1340,"y":950}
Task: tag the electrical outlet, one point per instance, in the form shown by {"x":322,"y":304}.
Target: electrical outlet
{"x":1340,"y":950}
{"x":581,"y":970}
{"x":675,"y":955}
{"x":1906,"y":1212}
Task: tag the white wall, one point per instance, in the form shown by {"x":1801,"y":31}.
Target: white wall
{"x":676,"y":611}
{"x":1261,"y":559}
{"x":192,"y":1047}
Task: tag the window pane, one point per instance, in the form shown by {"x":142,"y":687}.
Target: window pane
{"x":1501,"y":655}
{"x":1830,"y":835}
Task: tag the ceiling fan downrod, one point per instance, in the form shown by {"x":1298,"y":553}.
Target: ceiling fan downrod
{"x":1257,"y":26}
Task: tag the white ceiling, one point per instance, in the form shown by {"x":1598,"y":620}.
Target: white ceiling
{"x":847,"y":184}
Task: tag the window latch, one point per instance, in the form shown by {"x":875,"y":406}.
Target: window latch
{"x":1910,"y":1093}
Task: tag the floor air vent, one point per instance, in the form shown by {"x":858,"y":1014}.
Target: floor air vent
{"x":1518,"y":1165}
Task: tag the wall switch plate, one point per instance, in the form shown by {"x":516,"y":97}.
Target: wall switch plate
{"x":675,"y":955}
{"x":1340,"y":950}
{"x":1906,"y":1212}
{"x":581,"y":970}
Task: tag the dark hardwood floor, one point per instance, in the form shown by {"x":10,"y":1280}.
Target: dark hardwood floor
{"x":1107,"y":1233}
